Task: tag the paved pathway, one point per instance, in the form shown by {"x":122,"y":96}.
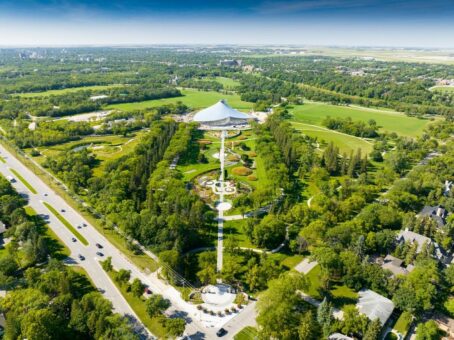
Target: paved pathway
{"x":305,"y":266}
{"x":220,"y":248}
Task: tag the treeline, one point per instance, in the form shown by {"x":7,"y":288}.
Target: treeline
{"x":45,"y":299}
{"x":255,"y":89}
{"x":204,"y":85}
{"x":402,"y":86}
{"x":47,"y":132}
{"x":355,"y":128}
{"x":72,"y":103}
{"x":353,"y":165}
{"x":73,"y":167}
{"x":145,"y":198}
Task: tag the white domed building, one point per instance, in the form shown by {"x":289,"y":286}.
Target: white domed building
{"x":221,"y":116}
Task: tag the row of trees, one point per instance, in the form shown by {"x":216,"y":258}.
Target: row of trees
{"x":355,"y":128}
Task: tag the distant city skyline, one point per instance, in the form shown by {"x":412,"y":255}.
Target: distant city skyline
{"x":391,"y":23}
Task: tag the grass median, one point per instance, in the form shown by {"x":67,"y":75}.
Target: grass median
{"x":24,"y":181}
{"x":66,"y":223}
{"x":138,"y":306}
{"x":56,"y":246}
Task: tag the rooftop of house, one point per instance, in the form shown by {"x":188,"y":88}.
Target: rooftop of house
{"x":338,"y":336}
{"x":410,"y":236}
{"x":374,"y":305}
{"x":437,"y":213}
{"x":394,"y":265}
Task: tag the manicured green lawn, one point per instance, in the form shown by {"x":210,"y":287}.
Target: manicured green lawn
{"x":247,"y":333}
{"x":58,"y":248}
{"x":403,"y":323}
{"x":63,"y":91}
{"x":341,"y":294}
{"x":228,"y":83}
{"x":138,"y":305}
{"x":105,"y":148}
{"x":314,"y":113}
{"x":344,"y":142}
{"x":193,"y":98}
{"x":291,"y":261}
{"x":24,"y":181}
{"x":449,"y":89}
{"x":314,"y":282}
{"x":66,"y":223}
{"x":236,"y":229}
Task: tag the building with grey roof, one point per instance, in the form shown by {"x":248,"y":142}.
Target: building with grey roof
{"x":339,"y":336}
{"x":395,"y":265}
{"x":436,"y":213}
{"x":374,"y":305}
{"x":412,"y":237}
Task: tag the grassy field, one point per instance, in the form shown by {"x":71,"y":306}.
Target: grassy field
{"x":56,"y":245}
{"x":104,"y":147}
{"x":63,"y":91}
{"x":193,"y":98}
{"x":341,"y":294}
{"x":247,"y":333}
{"x":346,"y":143}
{"x":236,"y":229}
{"x":2,"y":159}
{"x":228,"y":83}
{"x":66,"y":223}
{"x":403,"y":323}
{"x":24,"y":181}
{"x":138,"y":305}
{"x":314,"y":113}
{"x":448,"y":89}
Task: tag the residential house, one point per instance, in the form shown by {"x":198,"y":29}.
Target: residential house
{"x":437,"y":213}
{"x":338,"y":336}
{"x":374,"y":305}
{"x":395,"y":265}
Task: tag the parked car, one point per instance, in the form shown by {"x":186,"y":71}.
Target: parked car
{"x":79,"y":227}
{"x":81,"y":257}
{"x":84,"y":224}
{"x":99,"y":246}
{"x":99,"y":253}
{"x":74,"y":239}
{"x":147,"y":291}
{"x":62,"y":210}
{"x":221,"y":332}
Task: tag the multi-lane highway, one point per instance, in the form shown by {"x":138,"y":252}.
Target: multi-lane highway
{"x":197,"y":326}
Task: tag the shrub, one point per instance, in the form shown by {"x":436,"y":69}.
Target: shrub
{"x":232,"y":158}
{"x":252,"y":177}
{"x":219,"y":313}
{"x":252,"y":154}
{"x":199,"y":307}
{"x":241,"y":171}
{"x":204,"y":141}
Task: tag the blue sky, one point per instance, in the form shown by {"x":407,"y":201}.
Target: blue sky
{"x":315,"y":22}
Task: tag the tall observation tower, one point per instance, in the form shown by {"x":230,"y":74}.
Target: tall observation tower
{"x":221,"y":117}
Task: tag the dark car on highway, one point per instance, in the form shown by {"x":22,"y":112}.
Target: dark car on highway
{"x":99,"y":246}
{"x":73,"y":239}
{"x":81,"y":257}
{"x":99,"y":253}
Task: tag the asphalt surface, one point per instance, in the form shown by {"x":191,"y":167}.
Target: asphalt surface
{"x":196,"y":328}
